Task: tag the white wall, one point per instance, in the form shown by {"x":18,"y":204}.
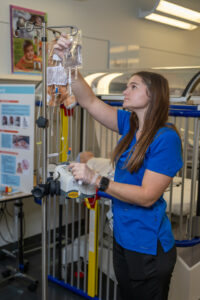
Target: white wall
{"x":114,"y":21}
{"x":103,"y":22}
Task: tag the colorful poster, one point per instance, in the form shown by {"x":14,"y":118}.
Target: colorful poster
{"x":26,"y":45}
{"x":17,"y":104}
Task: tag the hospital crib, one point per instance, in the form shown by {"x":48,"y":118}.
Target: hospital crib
{"x":80,"y":230}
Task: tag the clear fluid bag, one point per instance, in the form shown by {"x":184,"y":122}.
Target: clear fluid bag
{"x":59,"y":70}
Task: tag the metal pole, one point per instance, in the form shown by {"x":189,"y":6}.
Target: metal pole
{"x":193,"y":175}
{"x":44,"y":168}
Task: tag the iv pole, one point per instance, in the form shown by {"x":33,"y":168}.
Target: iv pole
{"x":44,"y":167}
{"x":73,"y":31}
{"x":37,"y":191}
{"x":41,"y":191}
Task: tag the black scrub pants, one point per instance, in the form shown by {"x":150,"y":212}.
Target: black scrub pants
{"x":143,"y":276}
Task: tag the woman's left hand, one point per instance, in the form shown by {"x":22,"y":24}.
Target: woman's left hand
{"x":62,"y":44}
{"x":83,"y":172}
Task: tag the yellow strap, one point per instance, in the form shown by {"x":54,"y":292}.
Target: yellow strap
{"x":87,"y":203}
{"x":64,"y":139}
{"x":93,"y":251}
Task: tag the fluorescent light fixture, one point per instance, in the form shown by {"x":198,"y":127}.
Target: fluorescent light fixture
{"x":104,"y":82}
{"x":90,"y":78}
{"x":176,"y":68}
{"x":178,"y":11}
{"x":170,"y":21}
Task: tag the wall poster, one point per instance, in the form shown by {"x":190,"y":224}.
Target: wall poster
{"x":26,"y":45}
{"x":17,"y":104}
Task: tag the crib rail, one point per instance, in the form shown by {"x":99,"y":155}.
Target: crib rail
{"x":79,"y":257}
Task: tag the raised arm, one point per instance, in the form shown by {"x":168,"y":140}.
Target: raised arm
{"x":104,"y":113}
{"x":84,"y":95}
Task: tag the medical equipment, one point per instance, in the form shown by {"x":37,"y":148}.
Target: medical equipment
{"x":42,"y":122}
{"x":60,"y":67}
{"x":56,"y":78}
{"x":70,"y":187}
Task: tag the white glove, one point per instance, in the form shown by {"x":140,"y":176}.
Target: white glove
{"x":83,"y":173}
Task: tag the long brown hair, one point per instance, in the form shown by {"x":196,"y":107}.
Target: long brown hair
{"x":155,"y":118}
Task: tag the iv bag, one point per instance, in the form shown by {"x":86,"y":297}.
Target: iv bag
{"x":72,"y":58}
{"x":59,"y":71}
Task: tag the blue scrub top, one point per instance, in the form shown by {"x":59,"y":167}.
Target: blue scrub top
{"x":138,"y":228}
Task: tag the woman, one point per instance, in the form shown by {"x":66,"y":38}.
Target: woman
{"x":146,"y":159}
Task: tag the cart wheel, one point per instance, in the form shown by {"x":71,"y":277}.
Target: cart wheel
{"x":33,"y":286}
{"x":6,"y":273}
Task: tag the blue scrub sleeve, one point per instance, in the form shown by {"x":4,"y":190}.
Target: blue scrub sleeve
{"x":123,"y":118}
{"x":165,"y":153}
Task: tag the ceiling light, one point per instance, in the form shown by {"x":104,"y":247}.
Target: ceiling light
{"x":90,"y":78}
{"x":169,"y":13}
{"x":176,"y":68}
{"x":170,"y":21}
{"x":104,"y":82}
{"x":178,"y":11}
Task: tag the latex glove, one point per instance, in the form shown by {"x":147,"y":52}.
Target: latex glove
{"x":83,"y":173}
{"x":62,"y":44}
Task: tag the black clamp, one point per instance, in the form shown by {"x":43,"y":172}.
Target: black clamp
{"x":42,"y":122}
{"x":52,"y":187}
{"x":40,"y":191}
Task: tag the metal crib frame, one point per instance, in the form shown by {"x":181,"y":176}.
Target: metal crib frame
{"x":79,"y":242}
